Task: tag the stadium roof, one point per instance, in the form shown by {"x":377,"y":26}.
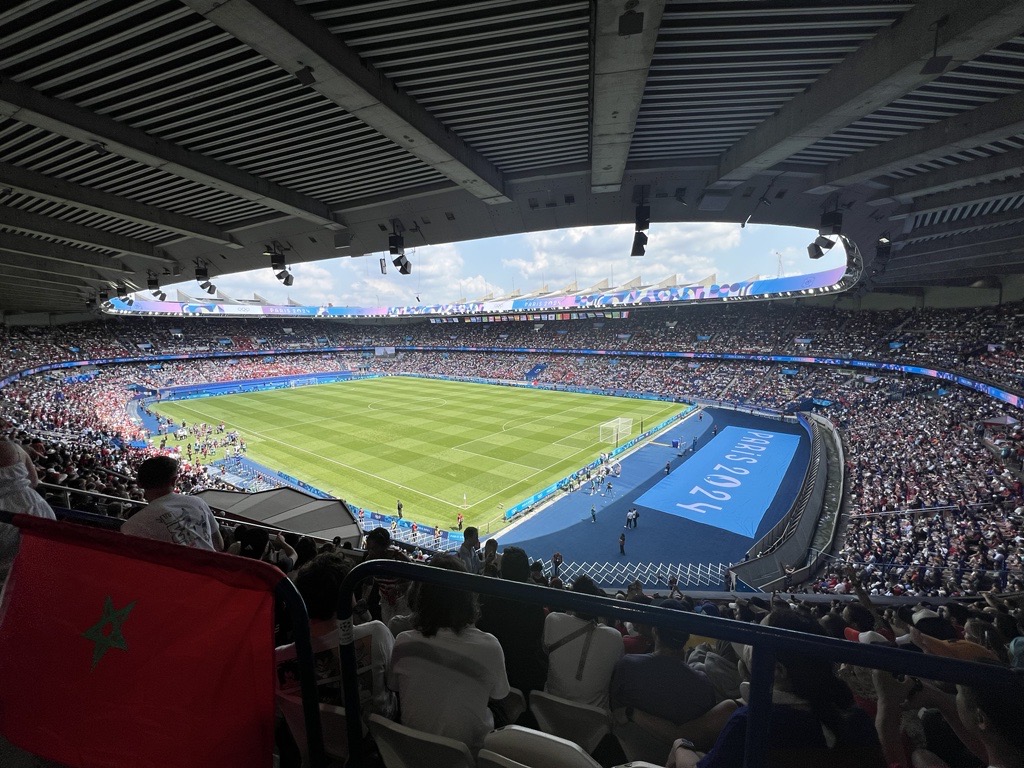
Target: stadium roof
{"x":138,"y":136}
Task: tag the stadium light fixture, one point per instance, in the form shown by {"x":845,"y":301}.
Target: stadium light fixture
{"x":278,"y":264}
{"x":639,"y":243}
{"x":936,"y":65}
{"x":403,"y":264}
{"x":831,"y":223}
{"x":123,"y":295}
{"x":203,"y":278}
{"x":820,"y":245}
{"x":153,"y":283}
{"x":643,"y":217}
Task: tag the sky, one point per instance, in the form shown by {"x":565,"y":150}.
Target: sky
{"x":527,"y":262}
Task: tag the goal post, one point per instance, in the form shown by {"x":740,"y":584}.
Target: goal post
{"x":616,"y":430}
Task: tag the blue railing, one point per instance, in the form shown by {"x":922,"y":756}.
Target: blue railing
{"x":766,"y":641}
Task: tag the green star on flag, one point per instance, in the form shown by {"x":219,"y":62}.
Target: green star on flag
{"x":114,"y":639}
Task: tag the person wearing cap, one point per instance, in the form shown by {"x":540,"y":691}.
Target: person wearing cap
{"x":171,"y":516}
{"x":936,"y":635}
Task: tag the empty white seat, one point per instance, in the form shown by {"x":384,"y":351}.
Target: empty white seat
{"x":403,"y":747}
{"x":537,"y":749}
{"x":580,"y":723}
{"x":488,"y":759}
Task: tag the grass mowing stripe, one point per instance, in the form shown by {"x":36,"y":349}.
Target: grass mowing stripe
{"x":429,"y":442}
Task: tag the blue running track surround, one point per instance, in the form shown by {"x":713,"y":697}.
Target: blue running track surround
{"x":724,"y":484}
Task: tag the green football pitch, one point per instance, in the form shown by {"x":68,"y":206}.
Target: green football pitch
{"x":440,"y":446}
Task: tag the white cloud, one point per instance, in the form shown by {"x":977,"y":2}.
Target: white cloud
{"x":585,"y":255}
{"x":590,"y":254}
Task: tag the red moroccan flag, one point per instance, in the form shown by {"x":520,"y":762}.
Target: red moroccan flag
{"x":120,"y":651}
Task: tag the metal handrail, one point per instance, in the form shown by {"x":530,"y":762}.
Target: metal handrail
{"x":881,"y":564}
{"x":766,"y":641}
{"x":91,"y":518}
{"x":907,"y":511}
{"x":69,"y":492}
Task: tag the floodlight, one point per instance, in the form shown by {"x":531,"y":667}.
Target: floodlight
{"x":831,"y":223}
{"x":643,"y":217}
{"x":639,"y":241}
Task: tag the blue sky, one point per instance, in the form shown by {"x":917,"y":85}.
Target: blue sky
{"x":557,"y":259}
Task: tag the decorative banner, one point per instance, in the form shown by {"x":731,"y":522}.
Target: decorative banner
{"x":604,"y":301}
{"x":729,"y":483}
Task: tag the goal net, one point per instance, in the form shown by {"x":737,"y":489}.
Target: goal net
{"x":615,"y":430}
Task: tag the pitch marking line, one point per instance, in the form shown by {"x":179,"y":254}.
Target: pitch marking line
{"x":332,"y":461}
{"x":378,"y":477}
{"x":392,"y":482}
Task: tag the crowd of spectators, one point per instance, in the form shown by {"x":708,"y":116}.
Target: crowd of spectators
{"x":911,"y":447}
{"x":979,"y":341}
{"x":673,"y":698}
{"x":935,"y":498}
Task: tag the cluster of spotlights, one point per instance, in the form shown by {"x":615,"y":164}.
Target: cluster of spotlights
{"x":643,"y":222}
{"x":203,"y":278}
{"x":123,"y":295}
{"x":396,"y":247}
{"x":277,"y":263}
{"x":828,"y":234}
{"x":154,"y":287}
